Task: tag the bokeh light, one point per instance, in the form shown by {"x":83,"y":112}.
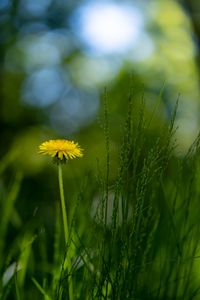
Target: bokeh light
{"x":4,"y":4}
{"x":88,"y":46}
{"x":44,"y":87}
{"x":34,"y":8}
{"x":75,"y":110}
{"x":107,"y":27}
{"x":35,"y":50}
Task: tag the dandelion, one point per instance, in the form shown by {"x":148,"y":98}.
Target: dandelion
{"x":62,"y":150}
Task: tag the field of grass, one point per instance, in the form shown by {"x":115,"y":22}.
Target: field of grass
{"x":133,"y":234}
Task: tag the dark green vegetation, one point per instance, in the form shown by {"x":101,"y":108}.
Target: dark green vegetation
{"x":134,"y":231}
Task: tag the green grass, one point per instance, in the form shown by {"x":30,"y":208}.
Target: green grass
{"x":133,"y":234}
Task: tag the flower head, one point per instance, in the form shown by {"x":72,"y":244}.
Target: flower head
{"x":61,"y":150}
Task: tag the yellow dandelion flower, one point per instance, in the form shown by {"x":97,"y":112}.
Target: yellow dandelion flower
{"x":61,"y":149}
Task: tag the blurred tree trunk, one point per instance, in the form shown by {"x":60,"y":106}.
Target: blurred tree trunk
{"x":193,"y":9}
{"x":8,"y":32}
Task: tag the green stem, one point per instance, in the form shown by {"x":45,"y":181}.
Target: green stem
{"x":66,"y":229}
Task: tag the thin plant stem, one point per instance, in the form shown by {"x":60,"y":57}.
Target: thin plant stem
{"x":66,"y":228}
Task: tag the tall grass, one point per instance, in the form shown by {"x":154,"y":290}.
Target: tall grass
{"x":139,"y":238}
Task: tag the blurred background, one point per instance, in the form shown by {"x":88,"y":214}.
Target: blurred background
{"x":57,"y":57}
